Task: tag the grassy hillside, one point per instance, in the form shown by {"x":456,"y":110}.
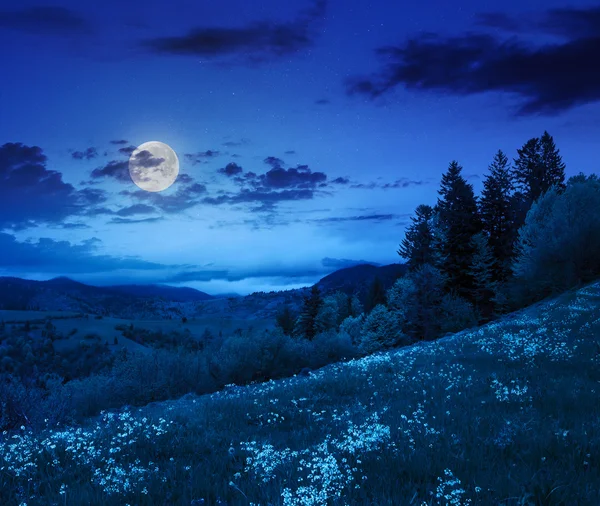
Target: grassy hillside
{"x":506,"y":414}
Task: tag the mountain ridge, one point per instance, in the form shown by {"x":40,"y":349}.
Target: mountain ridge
{"x":152,"y":301}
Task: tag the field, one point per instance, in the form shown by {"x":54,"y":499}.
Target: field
{"x":506,"y":414}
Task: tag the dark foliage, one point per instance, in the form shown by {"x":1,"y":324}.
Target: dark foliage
{"x":459,"y":219}
{"x":417,"y":246}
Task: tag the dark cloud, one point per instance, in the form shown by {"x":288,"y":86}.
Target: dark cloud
{"x":31,"y":194}
{"x":402,"y":183}
{"x":183,"y":179}
{"x":231,"y":169}
{"x":74,"y":226}
{"x":145,"y":160}
{"x":185,"y":197}
{"x":98,"y":211}
{"x":299,"y":177}
{"x":92,"y":196}
{"x":370,"y":217}
{"x":256,"y":42}
{"x":129,"y":221}
{"x":136,"y":209}
{"x":119,"y":169}
{"x":264,"y":196}
{"x":235,"y":144}
{"x":88,"y":154}
{"x":127,"y":150}
{"x":342,"y":263}
{"x":274,"y":162}
{"x":44,"y":20}
{"x":399,"y":183}
{"x":572,"y":23}
{"x":323,"y":101}
{"x":547,"y":79}
{"x":276,"y":185}
{"x":341,"y":180}
{"x":201,"y":156}
{"x":47,"y":255}
{"x":187,"y":276}
{"x":119,"y":142}
{"x":290,"y":272}
{"x":115,"y":169}
{"x":290,"y":152}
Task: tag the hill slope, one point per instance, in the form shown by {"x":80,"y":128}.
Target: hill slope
{"x":152,"y":302}
{"x":126,"y":301}
{"x":504,"y":414}
{"x":358,"y":278}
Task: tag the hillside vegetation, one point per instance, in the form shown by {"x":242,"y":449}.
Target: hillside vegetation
{"x":507,"y":414}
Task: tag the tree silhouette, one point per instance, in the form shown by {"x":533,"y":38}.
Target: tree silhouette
{"x":459,"y":220}
{"x":306,"y":325}
{"x":417,"y":245}
{"x":496,"y":211}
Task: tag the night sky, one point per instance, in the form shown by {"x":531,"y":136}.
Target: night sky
{"x":307,"y":132}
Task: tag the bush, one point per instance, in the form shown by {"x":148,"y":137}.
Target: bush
{"x":416,"y":300}
{"x":559,"y":244}
{"x":381,"y":330}
{"x":352,"y":328}
{"x":456,"y":314}
{"x":332,"y":346}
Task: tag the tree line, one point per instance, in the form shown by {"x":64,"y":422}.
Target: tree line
{"x":471,"y":258}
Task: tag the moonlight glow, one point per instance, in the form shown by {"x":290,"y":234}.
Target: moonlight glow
{"x":153,"y":166}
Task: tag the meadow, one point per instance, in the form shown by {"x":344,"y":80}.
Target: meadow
{"x":505,"y":414}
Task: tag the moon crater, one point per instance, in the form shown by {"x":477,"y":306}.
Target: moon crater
{"x":153,"y":166}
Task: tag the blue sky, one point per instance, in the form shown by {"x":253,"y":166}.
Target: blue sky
{"x":307,"y":131}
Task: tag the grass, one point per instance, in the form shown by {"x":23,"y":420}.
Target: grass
{"x":506,"y":414}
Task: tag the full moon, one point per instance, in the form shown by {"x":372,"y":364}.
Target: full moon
{"x":153,"y":166}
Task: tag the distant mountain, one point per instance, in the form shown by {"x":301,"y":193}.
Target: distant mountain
{"x":154,"y":302}
{"x":358,"y":278}
{"x":177,"y":294}
{"x":127,"y":301}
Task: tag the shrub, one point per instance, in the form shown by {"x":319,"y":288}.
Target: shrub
{"x":456,"y":314}
{"x":352,"y":327}
{"x":381,"y":330}
{"x":559,"y":244}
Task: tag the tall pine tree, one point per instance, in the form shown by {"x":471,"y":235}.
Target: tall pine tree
{"x":554,"y":168}
{"x":417,"y":245}
{"x":306,"y":325}
{"x":375,"y":296}
{"x":495,"y":209}
{"x":482,"y":271}
{"x":538,"y":167}
{"x":459,"y":220}
{"x":285,"y":320}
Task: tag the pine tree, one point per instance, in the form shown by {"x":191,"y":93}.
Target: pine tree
{"x":376,"y":295}
{"x":459,"y":221}
{"x":496,"y":211}
{"x":554,"y":168}
{"x":285,"y":320}
{"x":538,"y":167}
{"x":482,"y":271}
{"x":528,"y":171}
{"x":306,"y":324}
{"x":417,"y":245}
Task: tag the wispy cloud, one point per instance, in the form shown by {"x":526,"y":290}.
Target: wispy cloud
{"x":256,"y":42}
